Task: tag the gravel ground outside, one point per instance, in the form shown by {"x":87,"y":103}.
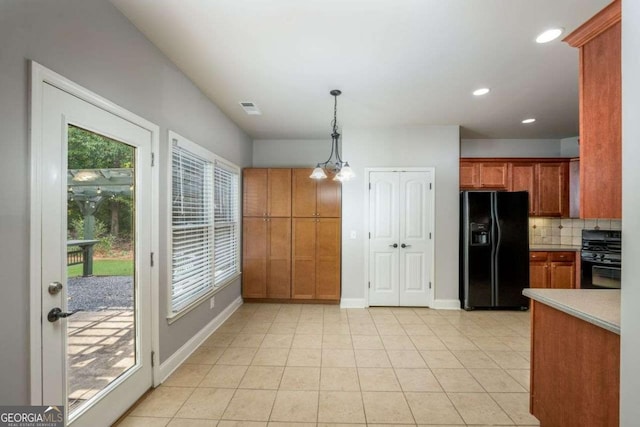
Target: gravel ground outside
{"x":100,"y":293}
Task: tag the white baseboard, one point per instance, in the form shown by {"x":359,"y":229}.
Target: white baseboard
{"x":352,"y":303}
{"x":446,"y":304}
{"x":177,"y":358}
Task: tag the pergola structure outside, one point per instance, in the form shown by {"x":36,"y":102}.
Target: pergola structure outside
{"x":89,"y":188}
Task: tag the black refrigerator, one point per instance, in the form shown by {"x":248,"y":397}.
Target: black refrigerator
{"x":494,"y":249}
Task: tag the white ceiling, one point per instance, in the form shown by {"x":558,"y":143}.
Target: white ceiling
{"x":398,"y":62}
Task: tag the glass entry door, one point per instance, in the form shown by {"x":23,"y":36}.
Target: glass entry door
{"x":96,"y":292}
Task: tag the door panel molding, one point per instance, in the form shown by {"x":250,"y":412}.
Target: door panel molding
{"x":40,"y":77}
{"x":412,"y":231}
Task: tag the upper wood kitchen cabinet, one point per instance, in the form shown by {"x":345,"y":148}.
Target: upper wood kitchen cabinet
{"x":266,"y":192}
{"x":314,"y":198}
{"x":599,"y":41}
{"x":523,"y":178}
{"x":480,"y":175}
{"x":552,"y":192}
{"x":545,"y":179}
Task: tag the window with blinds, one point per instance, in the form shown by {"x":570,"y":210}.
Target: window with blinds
{"x":205,"y":225}
{"x":226,"y":223}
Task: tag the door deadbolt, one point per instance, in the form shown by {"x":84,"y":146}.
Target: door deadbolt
{"x":55,"y":288}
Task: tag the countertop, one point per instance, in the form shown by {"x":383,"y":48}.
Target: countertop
{"x":600,"y":307}
{"x":559,"y":248}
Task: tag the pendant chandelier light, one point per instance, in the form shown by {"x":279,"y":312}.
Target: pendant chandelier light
{"x":334,"y":163}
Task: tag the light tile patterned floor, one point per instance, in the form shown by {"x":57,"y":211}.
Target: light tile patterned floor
{"x":285,"y":365}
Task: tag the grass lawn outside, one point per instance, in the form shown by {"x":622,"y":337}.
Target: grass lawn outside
{"x":105,"y":267}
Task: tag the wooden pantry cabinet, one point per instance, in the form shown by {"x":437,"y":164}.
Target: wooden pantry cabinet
{"x":546,"y":181}
{"x":266,"y":192}
{"x":315,"y":198}
{"x":266,"y":260}
{"x":600,"y":102}
{"x":291,"y":236}
{"x":316,"y":259}
{"x":552,"y":270}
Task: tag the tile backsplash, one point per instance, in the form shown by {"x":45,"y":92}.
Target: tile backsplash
{"x":566,"y":231}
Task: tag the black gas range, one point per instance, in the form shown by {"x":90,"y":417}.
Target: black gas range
{"x":601,"y":258}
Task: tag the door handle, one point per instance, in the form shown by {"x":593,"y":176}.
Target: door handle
{"x":405,"y":246}
{"x":56,"y":314}
{"x":395,"y":245}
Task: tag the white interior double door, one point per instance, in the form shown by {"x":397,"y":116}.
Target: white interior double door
{"x":401,"y":238}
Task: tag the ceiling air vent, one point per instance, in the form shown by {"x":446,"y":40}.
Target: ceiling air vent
{"x":250,"y":108}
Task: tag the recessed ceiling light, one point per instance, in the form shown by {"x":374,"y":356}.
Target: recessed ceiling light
{"x":527,"y":121}
{"x":481,"y":91}
{"x":549,"y":35}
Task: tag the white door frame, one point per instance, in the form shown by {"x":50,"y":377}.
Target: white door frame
{"x":39,"y":77}
{"x":367,"y":207}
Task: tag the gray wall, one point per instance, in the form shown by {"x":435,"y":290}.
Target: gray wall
{"x":510,"y":148}
{"x":290,"y":152}
{"x":91,"y":43}
{"x":630,"y":346}
{"x":436,"y":146}
{"x":569,"y":147}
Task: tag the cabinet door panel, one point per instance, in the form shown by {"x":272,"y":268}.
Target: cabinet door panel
{"x":328,"y":198}
{"x":523,"y":179}
{"x":328,"y":259}
{"x":552,"y":189}
{"x":279,"y":258}
{"x":538,"y":275}
{"x":601,"y":126}
{"x":494,"y":175}
{"x":254,"y":192}
{"x":254,"y":258}
{"x":469,"y":175}
{"x":279,"y":193}
{"x":304,"y":258}
{"x":303,"y":193}
{"x":563,"y":275}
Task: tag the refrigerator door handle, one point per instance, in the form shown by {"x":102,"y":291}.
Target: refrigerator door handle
{"x":497,"y":255}
{"x":465,"y":213}
{"x":493,"y":247}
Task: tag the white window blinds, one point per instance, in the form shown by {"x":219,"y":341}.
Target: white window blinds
{"x":227,"y":229}
{"x":205,"y":223}
{"x":192,"y":227}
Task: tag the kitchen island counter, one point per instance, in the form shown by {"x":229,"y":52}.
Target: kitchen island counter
{"x":600,"y":307}
{"x":575,"y":356}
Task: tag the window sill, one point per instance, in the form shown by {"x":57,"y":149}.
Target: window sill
{"x":172,"y":317}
